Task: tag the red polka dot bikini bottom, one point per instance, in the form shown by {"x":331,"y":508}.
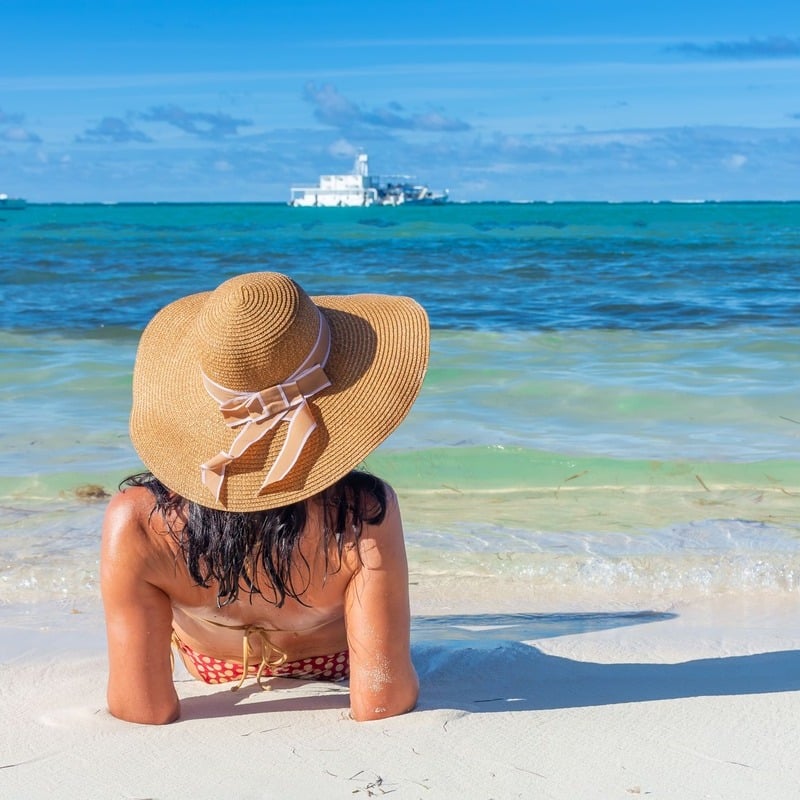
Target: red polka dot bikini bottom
{"x":273,"y":663}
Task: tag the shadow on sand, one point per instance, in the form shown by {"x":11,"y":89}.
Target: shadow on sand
{"x":480,"y":665}
{"x":485,"y":628}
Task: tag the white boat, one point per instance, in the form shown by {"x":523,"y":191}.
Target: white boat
{"x":11,"y":203}
{"x":359,"y":188}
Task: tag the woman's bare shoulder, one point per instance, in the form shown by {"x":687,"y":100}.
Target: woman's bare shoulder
{"x":381,"y":544}
{"x":130,"y":506}
{"x":131,"y":525}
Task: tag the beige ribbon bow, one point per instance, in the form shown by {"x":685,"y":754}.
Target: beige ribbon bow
{"x":257,"y":413}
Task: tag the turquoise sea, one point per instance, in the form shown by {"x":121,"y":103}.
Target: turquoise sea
{"x":612,"y":410}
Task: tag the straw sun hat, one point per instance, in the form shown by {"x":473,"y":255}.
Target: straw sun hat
{"x":256,"y":395}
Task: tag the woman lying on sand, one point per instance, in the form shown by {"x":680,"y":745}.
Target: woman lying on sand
{"x":252,"y":546}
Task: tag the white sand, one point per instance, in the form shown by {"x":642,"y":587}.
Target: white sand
{"x":702,"y":704}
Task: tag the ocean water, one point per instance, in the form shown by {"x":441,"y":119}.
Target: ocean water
{"x":611,"y":415}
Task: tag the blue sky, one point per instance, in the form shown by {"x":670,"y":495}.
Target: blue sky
{"x":493,"y":100}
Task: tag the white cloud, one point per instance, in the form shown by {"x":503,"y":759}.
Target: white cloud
{"x":736,"y":161}
{"x":18,"y":134}
{"x":341,"y":148}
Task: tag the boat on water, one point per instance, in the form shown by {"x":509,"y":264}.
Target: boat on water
{"x":359,"y":188}
{"x":11,"y":203}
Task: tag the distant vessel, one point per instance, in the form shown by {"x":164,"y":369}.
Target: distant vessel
{"x":11,"y":203}
{"x":359,"y":188}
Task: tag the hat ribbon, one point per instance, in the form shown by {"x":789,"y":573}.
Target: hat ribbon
{"x":257,"y":413}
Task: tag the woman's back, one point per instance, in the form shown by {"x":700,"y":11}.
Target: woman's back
{"x":331,"y":625}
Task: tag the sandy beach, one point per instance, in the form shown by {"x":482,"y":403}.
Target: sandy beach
{"x":690,"y":702}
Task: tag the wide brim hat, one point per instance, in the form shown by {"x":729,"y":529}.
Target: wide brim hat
{"x":242,"y":358}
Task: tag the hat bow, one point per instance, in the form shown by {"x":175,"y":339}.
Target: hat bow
{"x":257,"y":413}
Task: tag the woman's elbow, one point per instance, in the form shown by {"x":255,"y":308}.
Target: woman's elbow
{"x":378,"y":712}
{"x":391,"y":705}
{"x":145,"y":716}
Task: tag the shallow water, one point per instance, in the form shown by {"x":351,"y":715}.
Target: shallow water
{"x":611,"y":405}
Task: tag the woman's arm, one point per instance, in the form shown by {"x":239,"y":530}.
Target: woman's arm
{"x":138,"y":615}
{"x":383,"y":681}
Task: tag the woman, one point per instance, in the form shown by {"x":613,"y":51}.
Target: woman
{"x":251,"y":546}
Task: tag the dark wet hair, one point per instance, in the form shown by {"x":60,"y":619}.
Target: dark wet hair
{"x":239,"y":549}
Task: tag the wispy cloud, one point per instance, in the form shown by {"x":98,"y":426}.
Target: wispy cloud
{"x":331,"y":107}
{"x":18,"y":134}
{"x":488,"y":41}
{"x":202,"y":124}
{"x":11,"y":129}
{"x":674,"y":152}
{"x":769,"y":47}
{"x":626,"y":164}
{"x":10,"y":119}
{"x":113,"y":129}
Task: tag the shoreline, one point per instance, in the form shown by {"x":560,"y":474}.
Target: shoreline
{"x":696,"y":701}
